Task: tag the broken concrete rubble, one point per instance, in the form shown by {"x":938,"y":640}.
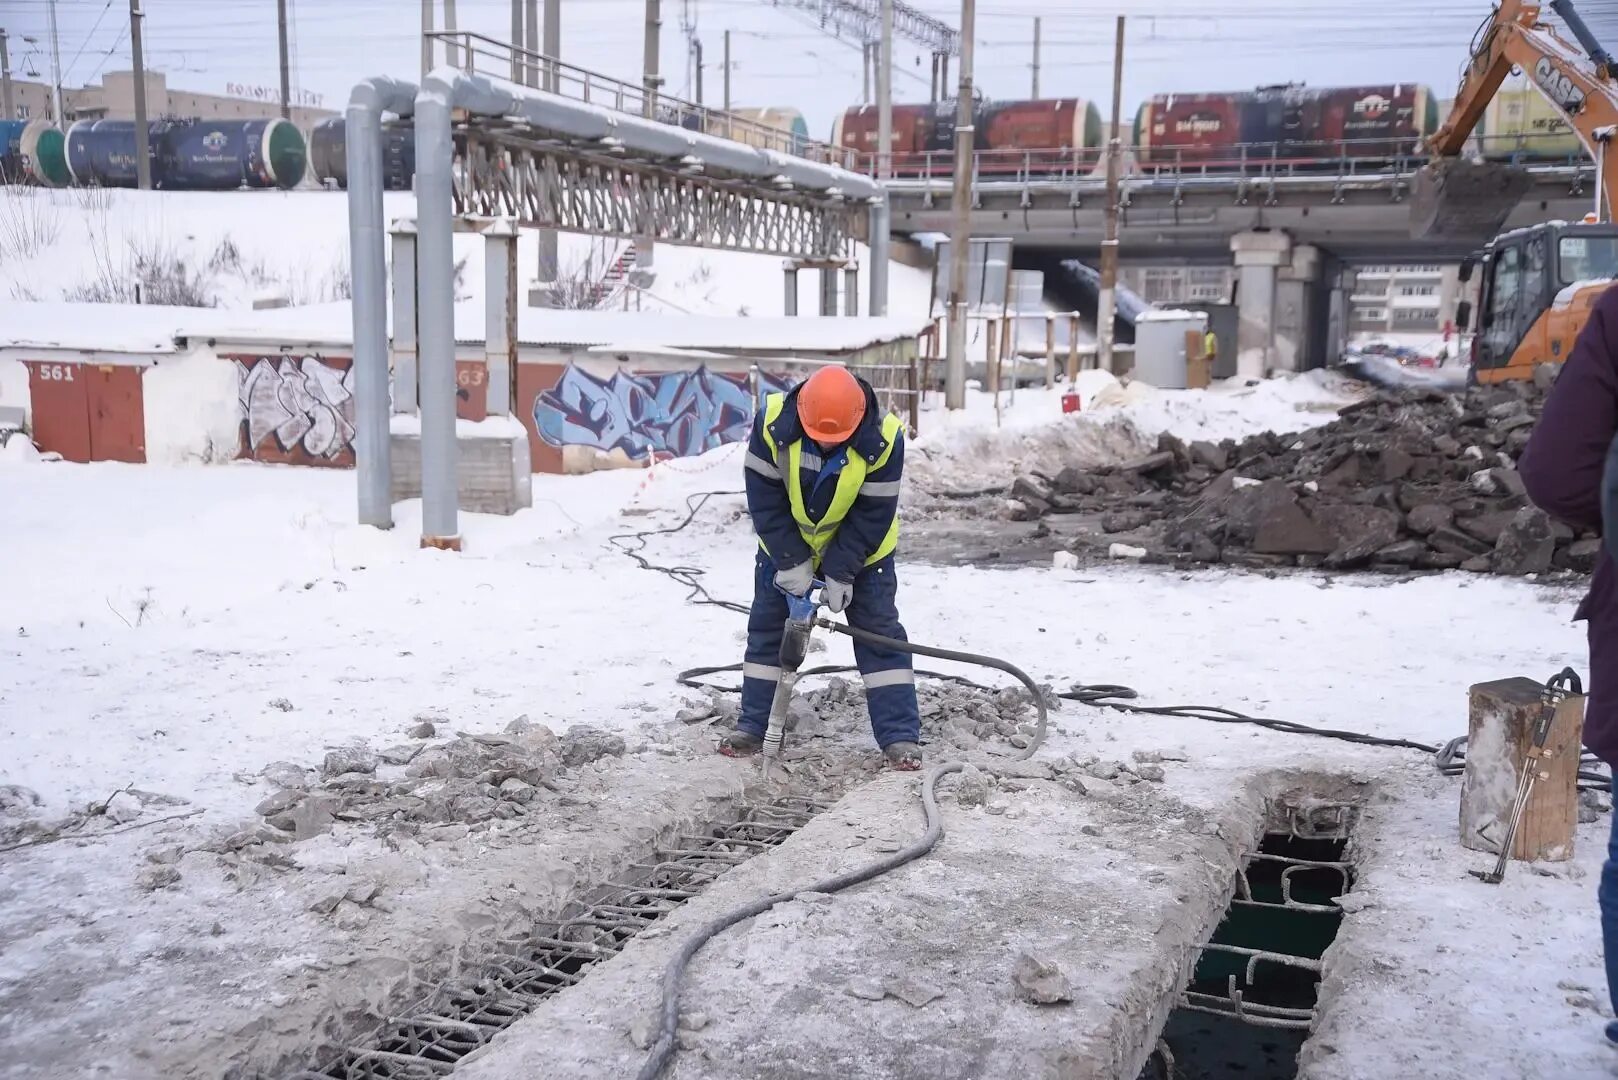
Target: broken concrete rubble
{"x":1040,"y":982}
{"x":1404,"y":480}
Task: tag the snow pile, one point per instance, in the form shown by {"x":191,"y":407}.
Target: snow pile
{"x":968,"y":451}
{"x":17,"y":449}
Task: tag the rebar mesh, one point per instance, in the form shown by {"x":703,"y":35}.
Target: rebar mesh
{"x":431,"y":1039}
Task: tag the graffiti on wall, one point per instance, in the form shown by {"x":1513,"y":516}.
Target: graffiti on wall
{"x":678,"y":413}
{"x":297,"y":410}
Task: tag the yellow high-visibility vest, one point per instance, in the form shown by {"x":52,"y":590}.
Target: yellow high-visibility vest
{"x":818,"y":534}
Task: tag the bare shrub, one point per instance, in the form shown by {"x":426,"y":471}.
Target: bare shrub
{"x":29,"y":222}
{"x":305,"y":286}
{"x":149,"y":272}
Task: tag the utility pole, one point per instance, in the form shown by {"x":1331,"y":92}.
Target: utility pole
{"x":143,"y":149}
{"x":1106,"y":309}
{"x":884,"y":98}
{"x":286,"y":78}
{"x":960,"y":241}
{"x":531,"y":43}
{"x":727,"y":71}
{"x":56,"y":72}
{"x":650,"y":79}
{"x":452,"y":54}
{"x":517,"y":66}
{"x":426,"y":42}
{"x":553,"y":45}
{"x":696,"y":65}
{"x":1036,"y":58}
{"x":865,"y":72}
{"x":5,"y":80}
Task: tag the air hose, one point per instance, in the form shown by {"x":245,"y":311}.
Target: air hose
{"x":663,"y":1049}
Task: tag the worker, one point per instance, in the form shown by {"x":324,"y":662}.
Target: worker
{"x":822,"y":472}
{"x":1562,"y":469}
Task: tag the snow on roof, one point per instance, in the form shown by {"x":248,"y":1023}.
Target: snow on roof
{"x":150,"y":328}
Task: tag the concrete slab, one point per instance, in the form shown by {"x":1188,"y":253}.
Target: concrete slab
{"x":1118,"y":888}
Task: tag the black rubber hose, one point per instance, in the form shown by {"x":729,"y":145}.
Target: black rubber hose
{"x":663,"y":1049}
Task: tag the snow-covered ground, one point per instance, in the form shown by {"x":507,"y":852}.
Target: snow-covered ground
{"x":236,"y":246}
{"x":177,"y":629}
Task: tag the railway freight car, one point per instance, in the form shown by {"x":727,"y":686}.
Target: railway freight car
{"x":1291,"y":126}
{"x":1520,"y":125}
{"x":1048,"y":135}
{"x":790,"y":122}
{"x":328,"y":154}
{"x":32,"y":152}
{"x":189,"y":155}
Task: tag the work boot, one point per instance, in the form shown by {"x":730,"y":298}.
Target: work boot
{"x":903,"y":756}
{"x":740,"y":743}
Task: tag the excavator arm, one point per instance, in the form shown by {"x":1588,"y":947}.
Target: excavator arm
{"x":1457,"y":197}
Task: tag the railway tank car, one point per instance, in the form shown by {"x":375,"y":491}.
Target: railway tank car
{"x":1519,"y":125}
{"x":1062,"y":131}
{"x":1291,"y":125}
{"x":189,"y":155}
{"x":328,"y":154}
{"x":32,"y":152}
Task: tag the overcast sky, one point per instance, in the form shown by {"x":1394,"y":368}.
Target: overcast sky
{"x":780,"y":57}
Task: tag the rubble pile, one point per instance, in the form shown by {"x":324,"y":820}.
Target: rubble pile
{"x":952,"y":713}
{"x":434,"y":792}
{"x":1406,"y":479}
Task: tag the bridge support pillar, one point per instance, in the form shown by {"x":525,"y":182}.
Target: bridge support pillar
{"x":1258,"y":257}
{"x":790,"y":299}
{"x":1341,"y":286}
{"x":1297,"y":310}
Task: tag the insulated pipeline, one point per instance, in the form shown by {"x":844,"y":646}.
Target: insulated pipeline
{"x":663,"y":1049}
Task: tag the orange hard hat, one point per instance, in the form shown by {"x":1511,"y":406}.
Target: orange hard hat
{"x":831,"y":405}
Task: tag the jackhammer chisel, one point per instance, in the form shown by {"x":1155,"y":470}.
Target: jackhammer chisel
{"x":794,"y":647}
{"x":1551,"y":696}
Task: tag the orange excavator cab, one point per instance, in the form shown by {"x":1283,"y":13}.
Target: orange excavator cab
{"x":1537,"y":284}
{"x":1536,"y":288}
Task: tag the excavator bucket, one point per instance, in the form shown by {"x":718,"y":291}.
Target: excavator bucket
{"x":1458,"y":199}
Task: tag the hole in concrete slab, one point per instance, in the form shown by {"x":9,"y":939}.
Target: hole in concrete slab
{"x":1250,"y":1001}
{"x":433,"y":1037}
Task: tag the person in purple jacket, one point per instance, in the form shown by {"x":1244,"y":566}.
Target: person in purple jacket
{"x":1575,"y":442}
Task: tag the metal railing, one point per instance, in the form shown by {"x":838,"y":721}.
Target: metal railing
{"x":1257,"y":160}
{"x":480,"y":54}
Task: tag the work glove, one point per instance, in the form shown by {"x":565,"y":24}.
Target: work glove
{"x":837,"y":595}
{"x":797,"y":580}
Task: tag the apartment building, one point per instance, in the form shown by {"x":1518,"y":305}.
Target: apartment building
{"x":1415,"y":299}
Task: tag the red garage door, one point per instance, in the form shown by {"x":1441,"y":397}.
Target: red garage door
{"x":88,"y":412}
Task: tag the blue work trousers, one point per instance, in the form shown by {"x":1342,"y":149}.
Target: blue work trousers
{"x":890,"y":684}
{"x":1607,"y":896}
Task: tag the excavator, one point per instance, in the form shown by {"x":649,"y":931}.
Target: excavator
{"x":1537,"y":284}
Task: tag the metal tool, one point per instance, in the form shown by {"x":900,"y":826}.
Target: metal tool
{"x":1552,"y":695}
{"x":800,"y":624}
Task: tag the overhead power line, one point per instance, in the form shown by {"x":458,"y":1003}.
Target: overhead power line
{"x":862,"y":20}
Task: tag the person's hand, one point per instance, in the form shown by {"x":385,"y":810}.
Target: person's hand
{"x":838,"y":594}
{"x":796,"y":580}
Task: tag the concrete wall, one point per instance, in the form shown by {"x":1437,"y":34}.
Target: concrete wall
{"x":492,"y":472}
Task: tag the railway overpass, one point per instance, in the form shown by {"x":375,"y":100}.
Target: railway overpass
{"x":1294,"y":238}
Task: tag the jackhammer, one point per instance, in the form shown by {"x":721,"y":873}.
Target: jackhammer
{"x":801,"y":611}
